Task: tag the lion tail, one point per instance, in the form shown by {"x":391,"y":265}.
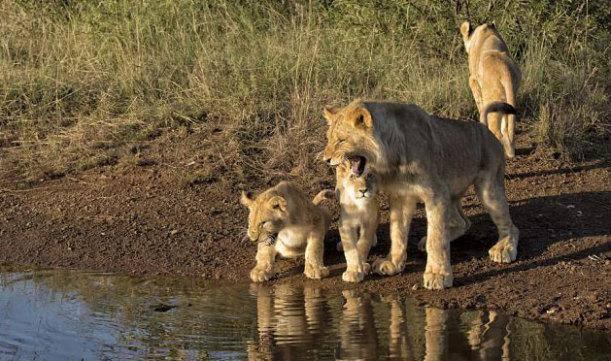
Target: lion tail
{"x":507,"y":124}
{"x":323,"y":195}
{"x":496,"y":107}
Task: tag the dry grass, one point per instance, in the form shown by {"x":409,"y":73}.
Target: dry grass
{"x":80,"y":83}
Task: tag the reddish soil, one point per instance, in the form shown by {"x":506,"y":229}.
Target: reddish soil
{"x":153,"y":217}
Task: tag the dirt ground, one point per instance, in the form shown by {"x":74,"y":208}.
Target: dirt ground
{"x":152,"y":216}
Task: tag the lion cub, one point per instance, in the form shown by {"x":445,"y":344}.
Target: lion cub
{"x":358,"y":189}
{"x":284,"y":221}
{"x":494,"y":79}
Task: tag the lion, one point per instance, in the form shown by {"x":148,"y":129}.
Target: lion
{"x":494,"y":79}
{"x":284,"y":221}
{"x":358,"y":217}
{"x":422,"y":158}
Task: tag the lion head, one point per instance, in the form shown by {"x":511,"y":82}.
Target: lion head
{"x":267,"y":215}
{"x":350,"y":136}
{"x":357,"y":184}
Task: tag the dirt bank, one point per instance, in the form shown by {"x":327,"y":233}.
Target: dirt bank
{"x":157,"y":215}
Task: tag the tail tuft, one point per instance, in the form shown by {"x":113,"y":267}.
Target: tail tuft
{"x":496,"y":107}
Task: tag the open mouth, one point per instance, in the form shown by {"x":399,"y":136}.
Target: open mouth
{"x":357,"y":164}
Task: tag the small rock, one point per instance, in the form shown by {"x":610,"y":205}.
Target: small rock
{"x":415,"y":287}
{"x":174,"y":232}
{"x":163,"y":307}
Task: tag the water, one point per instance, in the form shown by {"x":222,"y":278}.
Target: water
{"x":63,"y":315}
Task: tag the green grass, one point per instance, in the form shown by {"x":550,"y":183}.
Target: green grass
{"x":80,"y":82}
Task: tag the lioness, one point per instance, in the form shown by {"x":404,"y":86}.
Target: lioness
{"x":358,"y":216}
{"x":284,"y":221}
{"x":423,"y":158}
{"x":493,"y":77}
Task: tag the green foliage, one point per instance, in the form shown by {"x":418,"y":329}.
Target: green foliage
{"x":74,"y":74}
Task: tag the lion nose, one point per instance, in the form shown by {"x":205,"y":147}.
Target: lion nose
{"x":363,"y":191}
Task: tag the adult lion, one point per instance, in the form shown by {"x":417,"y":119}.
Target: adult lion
{"x":494,"y":79}
{"x":423,"y":158}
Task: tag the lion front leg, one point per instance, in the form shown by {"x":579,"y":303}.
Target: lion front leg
{"x":401,"y":213}
{"x":264,"y":270}
{"x":314,"y":265}
{"x":354,"y":269}
{"x":438,"y":271}
{"x":367,"y":240}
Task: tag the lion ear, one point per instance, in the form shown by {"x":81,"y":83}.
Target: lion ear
{"x":362,"y":119}
{"x":246,"y":198}
{"x":329,"y":113}
{"x":465,"y":30}
{"x":278,"y":202}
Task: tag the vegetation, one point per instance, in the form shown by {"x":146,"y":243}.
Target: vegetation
{"x":82,"y":82}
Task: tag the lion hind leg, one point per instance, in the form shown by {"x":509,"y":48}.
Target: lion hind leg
{"x":494,"y":124}
{"x":507,"y":132}
{"x":458,"y":224}
{"x":491,"y":192}
{"x":438,"y":271}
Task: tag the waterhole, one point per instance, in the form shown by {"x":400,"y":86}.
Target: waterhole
{"x":68,"y":315}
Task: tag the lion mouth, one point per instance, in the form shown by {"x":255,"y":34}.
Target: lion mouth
{"x":357,"y":164}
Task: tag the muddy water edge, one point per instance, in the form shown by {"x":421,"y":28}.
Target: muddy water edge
{"x":59,"y":314}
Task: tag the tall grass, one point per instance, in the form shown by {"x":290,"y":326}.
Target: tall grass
{"x":81,"y":80}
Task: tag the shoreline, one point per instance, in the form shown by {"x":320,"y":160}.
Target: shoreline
{"x":136,"y":220}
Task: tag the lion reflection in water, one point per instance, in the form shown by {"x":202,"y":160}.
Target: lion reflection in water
{"x":295,"y":323}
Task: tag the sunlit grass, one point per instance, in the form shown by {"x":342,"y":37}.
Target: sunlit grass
{"x":80,"y":81}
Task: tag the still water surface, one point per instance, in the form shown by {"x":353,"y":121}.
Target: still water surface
{"x":64,"y":315}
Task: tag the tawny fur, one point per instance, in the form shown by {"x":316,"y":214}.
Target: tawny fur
{"x":284,"y":221}
{"x":287,"y":312}
{"x":423,"y":158}
{"x":358,"y":197}
{"x":493,"y":77}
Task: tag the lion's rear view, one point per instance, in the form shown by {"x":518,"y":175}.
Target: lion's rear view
{"x":494,"y":78}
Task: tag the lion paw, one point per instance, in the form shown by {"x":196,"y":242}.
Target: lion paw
{"x":503,"y":252}
{"x":353,"y":276}
{"x":315,"y":272}
{"x":437,"y":281}
{"x":386,"y":267}
{"x":261,"y":274}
